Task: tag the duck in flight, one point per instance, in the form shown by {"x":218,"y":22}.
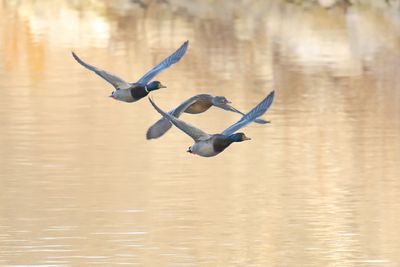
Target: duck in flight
{"x":194,"y":105}
{"x":131,"y":92}
{"x":209,"y":145}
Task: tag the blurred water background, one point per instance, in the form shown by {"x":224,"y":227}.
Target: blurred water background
{"x":319,"y":186}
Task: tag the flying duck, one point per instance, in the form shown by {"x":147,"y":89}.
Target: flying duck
{"x":194,"y":105}
{"x":131,"y":92}
{"x":209,"y":145}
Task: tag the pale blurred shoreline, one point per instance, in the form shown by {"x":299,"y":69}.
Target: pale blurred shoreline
{"x":347,"y":36}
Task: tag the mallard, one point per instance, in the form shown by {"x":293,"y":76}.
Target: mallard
{"x":198,"y":104}
{"x":209,"y":145}
{"x":131,"y":92}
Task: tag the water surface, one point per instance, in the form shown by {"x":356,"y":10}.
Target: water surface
{"x":80,"y":185}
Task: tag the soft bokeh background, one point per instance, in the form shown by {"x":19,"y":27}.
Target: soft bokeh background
{"x":320,"y":186}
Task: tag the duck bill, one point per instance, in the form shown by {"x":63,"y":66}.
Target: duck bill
{"x":162,"y":86}
{"x":246,"y":138}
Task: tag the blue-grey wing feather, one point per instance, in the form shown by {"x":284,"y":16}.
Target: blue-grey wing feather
{"x":256,"y":112}
{"x":190,"y":130}
{"x":172,"y":59}
{"x":228,"y":107}
{"x":160,"y":127}
{"x":117,"y":82}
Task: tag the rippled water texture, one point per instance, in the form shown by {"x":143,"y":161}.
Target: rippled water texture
{"x":81,"y":186}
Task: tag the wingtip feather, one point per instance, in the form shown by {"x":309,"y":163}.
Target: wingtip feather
{"x":272,"y":93}
{"x":76,"y":57}
{"x":73,"y":54}
{"x":156,"y":107}
{"x":151,"y":100}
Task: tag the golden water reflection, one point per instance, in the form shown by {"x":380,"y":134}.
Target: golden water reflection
{"x":80,"y":185}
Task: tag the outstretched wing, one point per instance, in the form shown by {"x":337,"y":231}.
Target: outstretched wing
{"x":117,"y":82}
{"x":166,"y":63}
{"x":232,"y":109}
{"x":159,"y":128}
{"x":190,"y":130}
{"x":256,"y":112}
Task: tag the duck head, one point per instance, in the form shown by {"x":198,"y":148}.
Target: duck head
{"x":154,"y":85}
{"x":114,"y":94}
{"x":238,"y":137}
{"x":222,"y":102}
